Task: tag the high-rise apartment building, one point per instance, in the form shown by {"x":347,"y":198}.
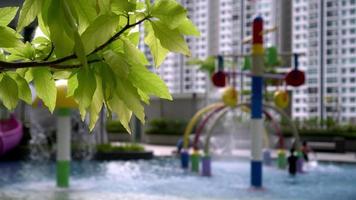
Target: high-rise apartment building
{"x":332,"y":61}
{"x":300,"y":38}
{"x":223,"y":24}
{"x":324,"y":31}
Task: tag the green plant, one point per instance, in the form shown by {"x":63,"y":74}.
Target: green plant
{"x":166,"y":127}
{"x":347,"y":131}
{"x":94,"y":46}
{"x":108,"y":148}
{"x":113,"y":126}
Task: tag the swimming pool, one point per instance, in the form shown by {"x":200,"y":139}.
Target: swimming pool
{"x":162,"y":179}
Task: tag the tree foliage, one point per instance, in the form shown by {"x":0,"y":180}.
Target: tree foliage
{"x":93,"y":44}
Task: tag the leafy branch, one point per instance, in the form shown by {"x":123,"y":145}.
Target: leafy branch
{"x":78,"y":30}
{"x":4,"y":66}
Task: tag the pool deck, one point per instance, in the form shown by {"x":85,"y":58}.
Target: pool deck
{"x":324,"y":157}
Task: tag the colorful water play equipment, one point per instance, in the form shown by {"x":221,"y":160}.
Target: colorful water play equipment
{"x":256,"y":102}
{"x":64,"y":105}
{"x":281,"y":99}
{"x":10,"y":134}
{"x":295,"y":77}
{"x":255,"y":107}
{"x":63,"y":112}
{"x":229,"y":96}
{"x":219,"y":77}
{"x":218,"y":113}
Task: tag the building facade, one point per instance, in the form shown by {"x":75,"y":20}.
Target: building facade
{"x":324,"y":31}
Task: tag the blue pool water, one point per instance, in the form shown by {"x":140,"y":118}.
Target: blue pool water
{"x":162,"y":179}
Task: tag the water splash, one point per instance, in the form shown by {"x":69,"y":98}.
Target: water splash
{"x":231,"y":133}
{"x":82,"y":141}
{"x":43,"y":137}
{"x":40,"y":150}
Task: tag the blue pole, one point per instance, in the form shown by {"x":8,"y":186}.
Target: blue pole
{"x":256,"y":102}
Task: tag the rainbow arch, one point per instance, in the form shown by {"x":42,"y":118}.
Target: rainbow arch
{"x":220,"y":109}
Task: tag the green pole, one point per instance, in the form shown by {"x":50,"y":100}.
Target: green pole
{"x":281,"y":159}
{"x":63,"y":147}
{"x":195,"y":158}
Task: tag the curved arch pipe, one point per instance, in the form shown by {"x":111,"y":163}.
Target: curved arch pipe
{"x":278,"y":130}
{"x":289,"y":121}
{"x":202,"y":124}
{"x":194,"y":120}
{"x":214,"y":123}
{"x":266,"y":139}
{"x":223,"y":112}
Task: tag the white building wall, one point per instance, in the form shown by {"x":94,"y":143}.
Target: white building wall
{"x":224,"y":23}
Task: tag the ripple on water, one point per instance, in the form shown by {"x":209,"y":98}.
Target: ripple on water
{"x":163,"y":179}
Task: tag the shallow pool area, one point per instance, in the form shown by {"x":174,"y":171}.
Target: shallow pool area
{"x":162,"y":179}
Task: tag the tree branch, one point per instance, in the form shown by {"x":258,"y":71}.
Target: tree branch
{"x":50,"y":53}
{"x":13,"y":65}
{"x":58,"y":66}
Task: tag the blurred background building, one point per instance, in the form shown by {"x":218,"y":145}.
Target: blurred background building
{"x":323,"y":30}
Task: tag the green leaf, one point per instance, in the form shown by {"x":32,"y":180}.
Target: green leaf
{"x":9,"y":92}
{"x":144,"y":97}
{"x":100,"y":31}
{"x":78,"y":45}
{"x":28,"y":13}
{"x":85,"y":90}
{"x":9,"y":38}
{"x":24,"y":91}
{"x":188,"y":28}
{"x":79,"y":49}
{"x":148,"y":4}
{"x":25,"y":73}
{"x":170,"y":39}
{"x":61,"y":31}
{"x":96,"y":104}
{"x":7,"y":14}
{"x":72,"y":84}
{"x":128,"y":94}
{"x":86,"y":12}
{"x":103,"y":6}
{"x":134,"y":37}
{"x":45,"y":87}
{"x":109,"y":80}
{"x":41,"y":24}
{"x":134,"y":54}
{"x":62,"y":74}
{"x":118,"y":63}
{"x":26,"y":52}
{"x":170,"y":12}
{"x":158,"y":52}
{"x":148,"y":82}
{"x":124,"y":89}
{"x":124,"y":114}
{"x":123,"y":6}
{"x":41,"y":41}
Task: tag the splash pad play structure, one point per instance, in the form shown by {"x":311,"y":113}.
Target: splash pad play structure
{"x":63,"y":133}
{"x":10,"y":134}
{"x":255,"y":107}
